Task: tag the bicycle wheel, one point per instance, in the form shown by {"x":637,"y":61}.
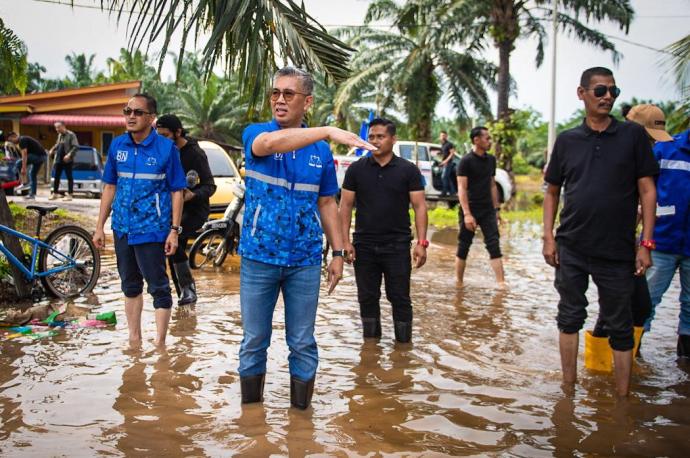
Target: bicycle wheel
{"x":75,"y":242}
{"x":208,"y":247}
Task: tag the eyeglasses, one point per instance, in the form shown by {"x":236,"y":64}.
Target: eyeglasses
{"x":288,"y":94}
{"x":600,"y":90}
{"x":137,"y":112}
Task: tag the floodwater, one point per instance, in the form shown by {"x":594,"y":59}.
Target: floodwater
{"x":481,"y":377}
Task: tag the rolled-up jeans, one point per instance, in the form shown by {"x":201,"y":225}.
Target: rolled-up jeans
{"x":659,"y":276}
{"x":260,"y":284}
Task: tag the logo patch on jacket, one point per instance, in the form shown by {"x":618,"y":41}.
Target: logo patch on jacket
{"x":315,"y":161}
{"x":121,"y":156}
{"x":151,"y":161}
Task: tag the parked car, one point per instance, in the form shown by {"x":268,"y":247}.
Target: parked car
{"x":225,"y":174}
{"x":426,"y":156}
{"x":87,"y":171}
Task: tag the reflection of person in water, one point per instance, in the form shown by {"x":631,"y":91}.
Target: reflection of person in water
{"x":158,"y":399}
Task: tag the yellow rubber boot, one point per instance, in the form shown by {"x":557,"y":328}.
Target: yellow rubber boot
{"x":598,"y":353}
{"x":638,"y":331}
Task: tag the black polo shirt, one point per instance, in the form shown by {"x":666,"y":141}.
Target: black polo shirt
{"x":599,"y":173}
{"x":382,"y":199}
{"x":33,"y":148}
{"x":479,"y":170}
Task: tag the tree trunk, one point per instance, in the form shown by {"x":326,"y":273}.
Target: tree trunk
{"x":504,"y":49}
{"x":22,"y":286}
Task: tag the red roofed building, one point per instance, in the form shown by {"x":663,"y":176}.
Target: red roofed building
{"x":94,"y":113}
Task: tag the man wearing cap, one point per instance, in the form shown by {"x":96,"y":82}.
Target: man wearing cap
{"x":672,"y":229}
{"x":605,"y":168}
{"x":200,"y":187}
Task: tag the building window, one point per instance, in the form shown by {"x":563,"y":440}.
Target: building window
{"x":106,"y":140}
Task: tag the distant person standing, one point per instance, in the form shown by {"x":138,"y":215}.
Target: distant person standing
{"x":479,"y":204}
{"x":196,"y":200}
{"x":64,"y":151}
{"x":33,"y":156}
{"x":143,"y":183}
{"x":448,"y":164}
{"x":383,"y":186}
{"x":605,"y":167}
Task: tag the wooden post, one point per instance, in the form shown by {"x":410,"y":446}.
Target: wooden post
{"x":22,"y":286}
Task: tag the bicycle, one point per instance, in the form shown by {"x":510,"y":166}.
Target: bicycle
{"x":67,"y":262}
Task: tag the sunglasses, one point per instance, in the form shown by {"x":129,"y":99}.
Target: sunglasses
{"x":288,"y":94}
{"x":137,"y":112}
{"x":600,"y":90}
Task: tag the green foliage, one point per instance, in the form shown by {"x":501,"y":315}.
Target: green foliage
{"x":18,"y":211}
{"x":13,"y":63}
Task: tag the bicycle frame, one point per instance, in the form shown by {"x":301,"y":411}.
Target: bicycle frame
{"x":31,"y":275}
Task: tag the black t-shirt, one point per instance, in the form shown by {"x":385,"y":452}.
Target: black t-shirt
{"x":382,"y":199}
{"x":479,"y":170}
{"x":195,"y":211}
{"x":445,"y":149}
{"x":33,"y":148}
{"x":599,"y":173}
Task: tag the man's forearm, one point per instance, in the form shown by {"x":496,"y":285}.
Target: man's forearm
{"x":550,"y":208}
{"x":464,"y":201}
{"x":177,"y":204}
{"x":345,"y":217}
{"x":329,"y":220}
{"x":421,"y":221}
{"x":287,"y":140}
{"x":648,"y":203}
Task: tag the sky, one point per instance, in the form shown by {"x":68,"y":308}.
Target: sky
{"x":51,"y":29}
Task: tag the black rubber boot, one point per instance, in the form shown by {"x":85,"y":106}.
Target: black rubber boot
{"x":187,"y":285}
{"x":371,"y":327}
{"x":301,"y":392}
{"x":683,"y":346}
{"x":252,"y":388}
{"x":403,"y":331}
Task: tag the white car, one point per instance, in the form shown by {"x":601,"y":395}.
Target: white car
{"x":426,"y":156}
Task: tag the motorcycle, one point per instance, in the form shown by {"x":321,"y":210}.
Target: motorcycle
{"x":220,"y":237}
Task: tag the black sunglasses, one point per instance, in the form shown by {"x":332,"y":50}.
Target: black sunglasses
{"x":600,"y":90}
{"x":137,"y":112}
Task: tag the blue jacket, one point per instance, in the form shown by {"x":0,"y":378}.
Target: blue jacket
{"x":282,"y":223}
{"x":672,"y":232}
{"x":145,"y":174}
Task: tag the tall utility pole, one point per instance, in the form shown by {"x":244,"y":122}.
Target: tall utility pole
{"x":552,"y":111}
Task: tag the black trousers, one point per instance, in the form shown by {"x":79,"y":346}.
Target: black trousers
{"x":391,"y":262}
{"x":59,"y":167}
{"x":486,"y":220}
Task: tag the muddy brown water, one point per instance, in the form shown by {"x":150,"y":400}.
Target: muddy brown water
{"x":481,"y":377}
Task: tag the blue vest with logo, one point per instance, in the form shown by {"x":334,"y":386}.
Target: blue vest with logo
{"x":282,"y":223}
{"x":145,"y":174}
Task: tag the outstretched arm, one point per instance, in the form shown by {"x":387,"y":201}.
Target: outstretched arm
{"x":286,"y":140}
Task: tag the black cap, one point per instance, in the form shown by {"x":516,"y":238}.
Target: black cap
{"x":170,"y":122}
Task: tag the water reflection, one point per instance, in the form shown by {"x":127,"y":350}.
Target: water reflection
{"x":481,"y":377}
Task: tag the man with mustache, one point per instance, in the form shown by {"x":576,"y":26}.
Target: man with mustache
{"x":605,"y":167}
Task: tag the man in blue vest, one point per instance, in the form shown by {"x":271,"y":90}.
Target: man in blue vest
{"x":143,"y":183}
{"x":290,"y":203}
{"x":672,"y":230}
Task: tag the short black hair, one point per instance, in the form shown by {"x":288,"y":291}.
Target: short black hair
{"x":444,"y":132}
{"x":476,"y":132}
{"x":306,"y":80}
{"x":12,"y":134}
{"x":594,"y":71}
{"x":151,"y":103}
{"x":625,"y":109}
{"x":389,"y":125}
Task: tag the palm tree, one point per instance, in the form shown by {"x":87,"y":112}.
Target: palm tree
{"x":502,"y":22}
{"x":248,"y":35}
{"x":81,"y":70}
{"x":13,"y":63}
{"x":129,"y":66}
{"x":213,"y":109}
{"x":680,"y":65}
{"x":414,"y":65}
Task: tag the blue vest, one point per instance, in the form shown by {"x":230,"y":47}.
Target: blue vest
{"x":672,"y":232}
{"x":145,"y":174}
{"x":282,"y":223}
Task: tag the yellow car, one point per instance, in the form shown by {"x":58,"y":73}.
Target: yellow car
{"x":225,"y":174}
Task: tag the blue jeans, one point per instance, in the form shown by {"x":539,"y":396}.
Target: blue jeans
{"x":659,"y":278}
{"x":260,"y":284}
{"x":448,"y":179}
{"x":33,"y":165}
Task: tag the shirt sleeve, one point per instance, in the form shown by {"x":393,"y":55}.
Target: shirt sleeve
{"x":349,"y":182}
{"x":174,"y":174}
{"x":329,"y":180}
{"x":554,"y":171}
{"x":23,"y":143}
{"x":110,"y":169}
{"x":647,"y":166}
{"x":248,"y":136}
{"x":463,"y":168}
{"x":414,"y":182}
{"x":493,"y":166}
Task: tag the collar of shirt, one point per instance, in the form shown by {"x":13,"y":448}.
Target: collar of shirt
{"x":610,"y":130}
{"x":394,"y":160}
{"x":146,"y":142}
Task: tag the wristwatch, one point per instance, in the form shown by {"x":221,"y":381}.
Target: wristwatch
{"x":424,"y":243}
{"x":335,"y":253}
{"x":177,"y":229}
